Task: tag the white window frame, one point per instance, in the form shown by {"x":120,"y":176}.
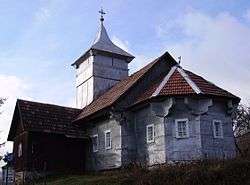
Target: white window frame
{"x":221,"y":129}
{"x":177,"y":131}
{"x":147,"y":133}
{"x":110,"y":141}
{"x":97,"y":147}
{"x":20,"y":150}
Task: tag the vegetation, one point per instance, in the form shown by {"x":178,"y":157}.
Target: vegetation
{"x":241,"y":120}
{"x":93,"y":179}
{"x":2,"y":100}
{"x":232,"y":172}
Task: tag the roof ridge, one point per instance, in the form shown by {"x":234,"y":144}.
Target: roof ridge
{"x":49,"y":104}
{"x":192,"y":84}
{"x":164,"y":81}
{"x":208,"y":81}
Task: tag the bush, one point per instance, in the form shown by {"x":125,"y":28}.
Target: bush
{"x":231,"y":172}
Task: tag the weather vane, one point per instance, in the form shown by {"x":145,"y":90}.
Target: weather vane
{"x":102,"y":13}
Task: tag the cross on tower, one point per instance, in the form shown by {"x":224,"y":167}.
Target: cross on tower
{"x":102,"y":13}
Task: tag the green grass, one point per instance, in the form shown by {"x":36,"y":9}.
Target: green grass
{"x":82,"y":180}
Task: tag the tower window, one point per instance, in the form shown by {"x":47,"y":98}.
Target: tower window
{"x":181,"y":127}
{"x":217,"y":129}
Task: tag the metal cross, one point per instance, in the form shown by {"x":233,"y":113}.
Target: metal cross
{"x":102,"y":13}
{"x":179,"y":60}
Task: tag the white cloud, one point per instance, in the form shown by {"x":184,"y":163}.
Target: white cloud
{"x":139,"y":61}
{"x":42,"y":15}
{"x":216,"y":47}
{"x":247,"y":15}
{"x":11,"y":88}
{"x":122,"y":44}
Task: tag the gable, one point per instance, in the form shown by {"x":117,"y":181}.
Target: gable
{"x":16,"y":126}
{"x":176,"y":85}
{"x":182,"y":82}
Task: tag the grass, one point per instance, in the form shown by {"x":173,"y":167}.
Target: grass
{"x":81,"y":180}
{"x":231,"y":172}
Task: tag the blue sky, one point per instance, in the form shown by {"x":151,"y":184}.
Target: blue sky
{"x":39,"y":39}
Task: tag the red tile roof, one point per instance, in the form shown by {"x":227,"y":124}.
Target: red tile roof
{"x":181,"y":82}
{"x":178,"y":85}
{"x":209,"y":88}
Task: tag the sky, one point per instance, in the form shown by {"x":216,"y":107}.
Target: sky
{"x":40,"y":39}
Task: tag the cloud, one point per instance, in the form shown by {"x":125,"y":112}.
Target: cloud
{"x":122,"y":44}
{"x":140,"y":59}
{"x":216,"y":47}
{"x":42,"y":15}
{"x":247,"y":15}
{"x":139,"y":62}
{"x":11,"y":88}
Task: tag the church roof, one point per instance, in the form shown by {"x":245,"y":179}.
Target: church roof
{"x":176,"y":81}
{"x":183,"y":82}
{"x":113,"y":94}
{"x":103,"y":43}
{"x":41,"y":117}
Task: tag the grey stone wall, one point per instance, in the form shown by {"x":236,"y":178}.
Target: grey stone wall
{"x":128,"y":138}
{"x":217,"y":147}
{"x":129,"y":143}
{"x":105,"y":158}
{"x":179,"y":149}
{"x":154,"y":152}
{"x":200,"y":143}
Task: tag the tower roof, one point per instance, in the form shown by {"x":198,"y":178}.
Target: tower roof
{"x":103,"y":44}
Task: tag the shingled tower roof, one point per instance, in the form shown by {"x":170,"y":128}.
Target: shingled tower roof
{"x":103,"y":43}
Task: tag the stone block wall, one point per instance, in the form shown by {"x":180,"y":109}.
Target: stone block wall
{"x":217,"y":147}
{"x":105,"y":159}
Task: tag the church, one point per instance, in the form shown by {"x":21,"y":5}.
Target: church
{"x":160,"y":114}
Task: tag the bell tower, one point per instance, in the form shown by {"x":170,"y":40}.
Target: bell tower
{"x":100,"y":67}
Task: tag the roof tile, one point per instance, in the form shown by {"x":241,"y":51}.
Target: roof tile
{"x":53,"y":118}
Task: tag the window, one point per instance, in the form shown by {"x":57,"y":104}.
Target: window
{"x":19,"y":150}
{"x":95,"y":143}
{"x":217,"y":129}
{"x":108,"y":141}
{"x":150,"y":133}
{"x":182,"y":130}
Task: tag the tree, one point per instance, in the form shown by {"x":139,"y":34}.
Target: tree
{"x":241,"y":120}
{"x":241,"y":125}
{"x":2,"y":100}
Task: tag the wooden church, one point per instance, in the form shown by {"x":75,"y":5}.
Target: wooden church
{"x":161,"y":113}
